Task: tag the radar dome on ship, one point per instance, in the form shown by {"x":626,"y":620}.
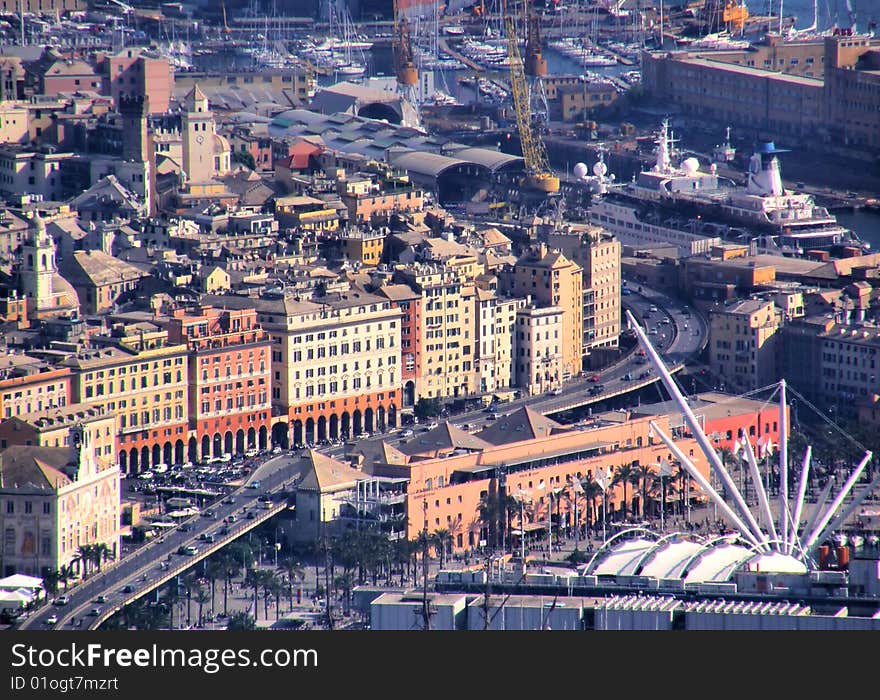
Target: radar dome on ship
{"x":690,"y":165}
{"x":599,"y":169}
{"x":580,"y":170}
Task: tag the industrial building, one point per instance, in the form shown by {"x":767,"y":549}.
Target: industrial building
{"x":453,"y":171}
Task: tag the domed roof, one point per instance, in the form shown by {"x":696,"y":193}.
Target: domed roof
{"x":64,"y":292}
{"x":221,"y":144}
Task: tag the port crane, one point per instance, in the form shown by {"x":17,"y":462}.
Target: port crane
{"x":404,"y":63}
{"x":539,"y":175}
{"x":226,"y":30}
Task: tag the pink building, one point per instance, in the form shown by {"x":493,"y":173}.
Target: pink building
{"x":69,"y":76}
{"x":135,"y":72}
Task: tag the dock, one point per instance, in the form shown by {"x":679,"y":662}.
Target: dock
{"x":447,"y":49}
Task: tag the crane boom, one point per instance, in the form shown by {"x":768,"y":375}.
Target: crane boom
{"x":539,"y":175}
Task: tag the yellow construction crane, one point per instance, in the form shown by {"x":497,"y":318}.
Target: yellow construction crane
{"x":539,"y":175}
{"x":226,"y":30}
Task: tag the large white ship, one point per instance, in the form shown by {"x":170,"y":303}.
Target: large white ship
{"x":704,"y":205}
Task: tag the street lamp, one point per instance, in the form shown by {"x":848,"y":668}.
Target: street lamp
{"x":604,"y":480}
{"x":665,"y":470}
{"x":578,"y":489}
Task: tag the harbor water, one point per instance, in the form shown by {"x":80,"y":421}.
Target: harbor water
{"x":865,"y":223}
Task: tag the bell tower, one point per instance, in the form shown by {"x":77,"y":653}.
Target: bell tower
{"x":197,"y":132}
{"x":38,"y":267}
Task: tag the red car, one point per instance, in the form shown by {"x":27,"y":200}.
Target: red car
{"x":594,"y":378}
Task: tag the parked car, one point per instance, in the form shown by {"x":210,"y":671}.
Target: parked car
{"x":188,"y":550}
{"x":555,"y":392}
{"x":232,"y":518}
{"x":407,"y":433}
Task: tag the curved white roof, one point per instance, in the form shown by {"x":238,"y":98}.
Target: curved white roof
{"x":669,"y":559}
{"x":717,"y":563}
{"x":623,"y":560}
{"x":776,"y":563}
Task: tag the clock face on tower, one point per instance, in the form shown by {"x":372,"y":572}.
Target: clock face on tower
{"x":199,"y":138}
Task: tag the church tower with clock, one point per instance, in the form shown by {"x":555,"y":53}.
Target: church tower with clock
{"x":197,"y":131}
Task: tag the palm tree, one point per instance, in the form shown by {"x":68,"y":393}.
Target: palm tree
{"x":101,"y":553}
{"x":490,"y":512}
{"x":269,"y":582}
{"x":294,"y":570}
{"x":346,"y":583}
{"x":190,"y":583}
{"x":214,"y":569}
{"x":441,"y":538}
{"x":50,"y":582}
{"x":592,"y":491}
{"x":253,"y":578}
{"x":172,"y":598}
{"x":684,"y":485}
{"x":641,"y":476}
{"x":623,"y":475}
{"x":202,"y":597}
{"x":82,"y":558}
{"x":230,"y":566}
{"x":401,"y":555}
{"x":65,"y":573}
{"x":241,"y":621}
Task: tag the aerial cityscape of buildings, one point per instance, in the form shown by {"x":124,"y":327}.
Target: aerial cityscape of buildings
{"x":371,"y":307}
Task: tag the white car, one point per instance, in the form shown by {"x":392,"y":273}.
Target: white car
{"x":52,"y":619}
{"x":406,"y":433}
{"x":431,"y":425}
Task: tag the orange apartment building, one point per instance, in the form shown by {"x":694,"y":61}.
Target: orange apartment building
{"x":335,"y":363}
{"x":31,"y":386}
{"x":141,"y":378}
{"x":229,"y":379}
{"x":410,"y":303}
{"x":445,"y":490}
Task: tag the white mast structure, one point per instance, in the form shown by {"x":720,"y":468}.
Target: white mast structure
{"x":784,"y":536}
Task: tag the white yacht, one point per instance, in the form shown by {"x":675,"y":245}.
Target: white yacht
{"x":684,"y":199}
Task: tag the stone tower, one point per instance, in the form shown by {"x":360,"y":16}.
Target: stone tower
{"x":38,"y":266}
{"x":134,"y":110}
{"x":197,"y":132}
